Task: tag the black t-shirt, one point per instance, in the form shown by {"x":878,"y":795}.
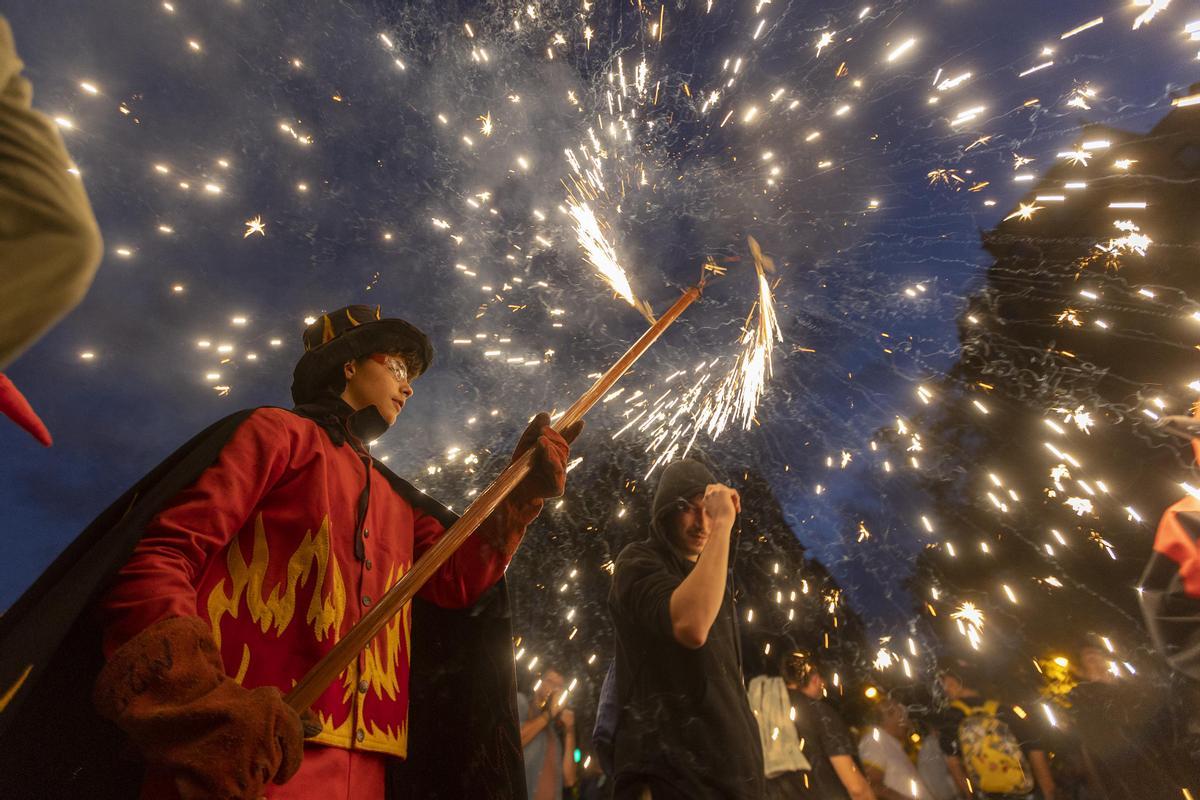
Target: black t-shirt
{"x":1126,"y":730}
{"x":685,"y":727}
{"x":822,"y":734}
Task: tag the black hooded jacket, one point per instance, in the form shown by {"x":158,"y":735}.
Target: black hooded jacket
{"x":685,"y":728}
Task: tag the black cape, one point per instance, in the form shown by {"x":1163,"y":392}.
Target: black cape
{"x":1172,"y":615}
{"x":464,"y":739}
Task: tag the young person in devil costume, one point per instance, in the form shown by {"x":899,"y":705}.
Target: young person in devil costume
{"x":171,"y":626}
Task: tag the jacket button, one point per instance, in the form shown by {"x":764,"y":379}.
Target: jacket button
{"x":362,"y":687}
{"x":368,"y":564}
{"x":366,"y":534}
{"x":360,"y":734}
{"x":366,"y":600}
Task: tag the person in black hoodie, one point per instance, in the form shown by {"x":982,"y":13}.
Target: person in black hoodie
{"x":684,"y":728}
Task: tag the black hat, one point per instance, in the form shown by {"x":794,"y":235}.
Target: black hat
{"x":349,"y":333}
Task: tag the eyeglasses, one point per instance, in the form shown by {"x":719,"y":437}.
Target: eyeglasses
{"x":394,"y":364}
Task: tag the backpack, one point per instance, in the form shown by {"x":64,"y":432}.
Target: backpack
{"x":771,"y":705}
{"x":990,"y":752}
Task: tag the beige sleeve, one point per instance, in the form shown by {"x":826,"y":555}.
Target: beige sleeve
{"x":50,"y":244}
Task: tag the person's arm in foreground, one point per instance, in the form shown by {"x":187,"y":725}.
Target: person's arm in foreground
{"x":531,"y":727}
{"x":1041,"y":773}
{"x":697,"y":600}
{"x":482,"y":559}
{"x":570,"y":776}
{"x":848,"y":773}
{"x":49,"y":241}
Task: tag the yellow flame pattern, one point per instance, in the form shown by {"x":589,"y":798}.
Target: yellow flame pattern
{"x":273,"y":609}
{"x":326,"y":609}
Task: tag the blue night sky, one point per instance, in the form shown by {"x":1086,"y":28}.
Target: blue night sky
{"x":381,"y":166}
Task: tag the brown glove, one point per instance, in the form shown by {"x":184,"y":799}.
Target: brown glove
{"x":547,"y":478}
{"x":548,"y":475}
{"x":167,"y":689}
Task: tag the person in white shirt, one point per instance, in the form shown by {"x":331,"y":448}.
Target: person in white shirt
{"x":886,"y":764}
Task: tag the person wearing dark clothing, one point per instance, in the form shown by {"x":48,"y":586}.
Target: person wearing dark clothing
{"x":992,"y":752}
{"x":684,"y":728}
{"x":825,"y":735}
{"x":1125,"y":733}
{"x":825,"y":739}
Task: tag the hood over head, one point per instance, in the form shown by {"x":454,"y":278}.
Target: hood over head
{"x":680,"y":480}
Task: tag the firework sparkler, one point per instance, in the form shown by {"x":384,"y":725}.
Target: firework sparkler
{"x":601,"y":255}
{"x":676,"y":418}
{"x":737,"y":397}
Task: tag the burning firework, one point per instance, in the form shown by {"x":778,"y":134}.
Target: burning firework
{"x":738,"y":394}
{"x":735,"y":397}
{"x":601,"y":255}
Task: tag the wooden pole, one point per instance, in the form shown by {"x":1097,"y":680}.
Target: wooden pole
{"x":325,"y":671}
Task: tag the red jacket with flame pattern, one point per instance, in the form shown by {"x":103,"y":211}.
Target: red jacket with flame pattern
{"x":262,"y":547}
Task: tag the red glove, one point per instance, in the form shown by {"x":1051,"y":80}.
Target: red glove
{"x":548,"y":474}
{"x":14,"y":406}
{"x":167,"y":689}
{"x":547,"y":478}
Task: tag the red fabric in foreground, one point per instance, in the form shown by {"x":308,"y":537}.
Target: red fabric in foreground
{"x":331,"y":773}
{"x":327,"y":773}
{"x":262,"y":549}
{"x":14,"y":406}
{"x":1176,"y":539}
